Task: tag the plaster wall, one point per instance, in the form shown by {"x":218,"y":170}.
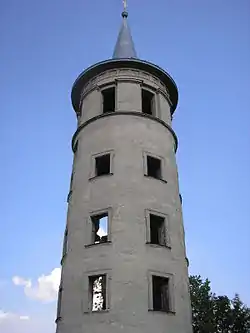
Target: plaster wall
{"x":127,"y":193}
{"x":128,"y":84}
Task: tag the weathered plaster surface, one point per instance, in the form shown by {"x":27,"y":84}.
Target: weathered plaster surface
{"x":127,"y":260}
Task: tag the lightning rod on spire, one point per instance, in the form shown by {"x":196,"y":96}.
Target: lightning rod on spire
{"x":125,"y":5}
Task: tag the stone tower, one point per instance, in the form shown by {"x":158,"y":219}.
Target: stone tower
{"x":124,"y":266}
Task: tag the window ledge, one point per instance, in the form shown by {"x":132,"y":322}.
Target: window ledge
{"x":107,"y":112}
{"x":97,"y":244}
{"x":106,"y":175}
{"x":169,"y":312}
{"x":162,"y":180}
{"x":159,"y":245}
{"x":94,"y":312}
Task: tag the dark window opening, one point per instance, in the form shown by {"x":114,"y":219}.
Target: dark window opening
{"x":102,"y":165}
{"x":154,"y":167}
{"x":147,"y":102}
{"x":59,"y":303}
{"x":108,"y":97}
{"x":99,"y":228}
{"x":180,"y":198}
{"x":71,"y":180}
{"x":97,"y":290}
{"x":160,"y":293}
{"x":75,"y":148}
{"x":157,"y":230}
{"x":65,"y":243}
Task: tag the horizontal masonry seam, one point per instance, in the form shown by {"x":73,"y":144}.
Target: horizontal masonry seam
{"x":117,"y":113}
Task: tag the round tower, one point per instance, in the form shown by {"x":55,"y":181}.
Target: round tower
{"x":124,"y":267}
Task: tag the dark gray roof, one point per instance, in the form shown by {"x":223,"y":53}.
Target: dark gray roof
{"x":124,"y":47}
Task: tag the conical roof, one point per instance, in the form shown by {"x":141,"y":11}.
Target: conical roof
{"x":124,"y":56}
{"x":124,"y":47}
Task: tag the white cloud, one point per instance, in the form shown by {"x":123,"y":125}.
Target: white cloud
{"x":8,"y":316}
{"x":45,"y":289}
{"x":101,"y":232}
{"x":3,"y":315}
{"x":14,"y":323}
{"x":18,"y":281}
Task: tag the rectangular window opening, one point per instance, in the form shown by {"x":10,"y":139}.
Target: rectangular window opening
{"x":157,"y":230}
{"x":154,"y":167}
{"x":99,"y":228}
{"x":59,"y":303}
{"x":160,"y":293}
{"x":75,"y":148}
{"x":65,"y":243}
{"x":97,"y":290}
{"x":71,"y":180}
{"x":147,"y":102}
{"x":102,"y":165}
{"x":108,"y":98}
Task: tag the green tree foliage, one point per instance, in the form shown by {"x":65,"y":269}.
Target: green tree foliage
{"x":240,"y":316}
{"x":216,"y":314}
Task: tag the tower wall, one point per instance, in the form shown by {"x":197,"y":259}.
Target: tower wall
{"x":127,"y":259}
{"x":128,"y":84}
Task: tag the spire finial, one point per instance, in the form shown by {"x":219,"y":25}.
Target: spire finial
{"x":124,"y":47}
{"x":125,"y":6}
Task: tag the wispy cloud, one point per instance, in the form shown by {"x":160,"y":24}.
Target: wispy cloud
{"x":19,"y":281}
{"x":45,"y":289}
{"x":24,"y":318}
{"x":4,"y":316}
{"x":16,"y":323}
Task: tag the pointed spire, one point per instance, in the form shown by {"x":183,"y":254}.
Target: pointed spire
{"x":124,"y":47}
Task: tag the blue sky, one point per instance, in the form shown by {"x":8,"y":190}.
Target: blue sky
{"x":205,"y":46}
